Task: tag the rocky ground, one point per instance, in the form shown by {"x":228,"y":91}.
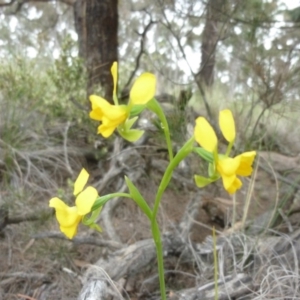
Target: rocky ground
{"x":37,"y":262}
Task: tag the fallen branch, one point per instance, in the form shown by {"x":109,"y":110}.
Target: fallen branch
{"x":80,"y":240}
{"x":5,"y":219}
{"x":244,"y":281}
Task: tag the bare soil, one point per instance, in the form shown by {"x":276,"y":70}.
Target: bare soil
{"x":38,"y":268}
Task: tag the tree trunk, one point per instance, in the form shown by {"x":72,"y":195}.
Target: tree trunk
{"x":210,"y":38}
{"x":96,"y":23}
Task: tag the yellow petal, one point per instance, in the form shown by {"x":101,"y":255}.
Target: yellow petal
{"x":114,"y":73}
{"x":143,"y":89}
{"x":236,"y":184}
{"x":111,"y":115}
{"x":66,"y":216}
{"x":228,"y":166}
{"x":228,"y":181}
{"x":112,"y":119}
{"x":205,"y":135}
{"x":115,"y":113}
{"x":106,"y":131}
{"x":101,"y":108}
{"x":85,"y":200}
{"x":227,"y":126}
{"x":96,"y":114}
{"x":246,"y":161}
{"x":70,"y":232}
{"x":80,"y":182}
{"x":98,"y":102}
{"x":99,"y":105}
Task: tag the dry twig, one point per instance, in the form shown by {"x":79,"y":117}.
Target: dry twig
{"x":80,"y":240}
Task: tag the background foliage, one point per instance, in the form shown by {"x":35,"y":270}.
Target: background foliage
{"x":252,"y":51}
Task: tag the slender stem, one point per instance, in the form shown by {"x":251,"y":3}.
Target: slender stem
{"x":160,"y":259}
{"x":216,"y":274}
{"x":249,"y":194}
{"x":154,"y":106}
{"x":125,"y":195}
{"x":229,"y":148}
{"x":166,"y":179}
{"x":186,"y":149}
{"x":115,"y":99}
{"x":233,"y":210}
{"x":168,"y":139}
{"x":165,"y":127}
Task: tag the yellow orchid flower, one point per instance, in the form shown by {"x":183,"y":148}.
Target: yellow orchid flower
{"x":225,"y":167}
{"x":70,"y":217}
{"x":112,"y":116}
{"x":229,"y":168}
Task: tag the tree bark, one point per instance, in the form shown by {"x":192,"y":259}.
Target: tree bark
{"x":96,"y":23}
{"x":210,"y":38}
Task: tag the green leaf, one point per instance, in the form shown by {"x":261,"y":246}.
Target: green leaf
{"x":211,"y":170}
{"x":202,"y":181}
{"x":94,"y":215}
{"x":90,"y":222}
{"x":95,"y":227}
{"x":206,"y":155}
{"x":136,"y":110}
{"x":154,"y":106}
{"x":131,"y":135}
{"x":128,"y":124}
{"x":100,"y":201}
{"x":138,"y":198}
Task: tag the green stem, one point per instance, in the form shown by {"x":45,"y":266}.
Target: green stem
{"x":229,"y":148}
{"x":182,"y":153}
{"x":216,"y":273}
{"x":115,"y":99}
{"x":233,"y":210}
{"x":100,"y":201}
{"x":154,"y":106}
{"x":168,"y":139}
{"x":160,"y":259}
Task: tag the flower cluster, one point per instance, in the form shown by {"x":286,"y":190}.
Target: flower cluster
{"x":121,"y":118}
{"x":117,"y":116}
{"x":222,"y":165}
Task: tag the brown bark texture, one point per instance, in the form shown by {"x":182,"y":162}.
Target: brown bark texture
{"x":210,"y":38}
{"x":96,"y":23}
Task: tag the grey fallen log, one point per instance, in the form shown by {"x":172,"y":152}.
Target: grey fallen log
{"x":277,"y":253}
{"x":98,"y":280}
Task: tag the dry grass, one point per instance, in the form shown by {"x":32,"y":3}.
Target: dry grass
{"x":38,"y":159}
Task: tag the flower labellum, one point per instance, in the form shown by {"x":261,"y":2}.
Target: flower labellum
{"x":70,"y":217}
